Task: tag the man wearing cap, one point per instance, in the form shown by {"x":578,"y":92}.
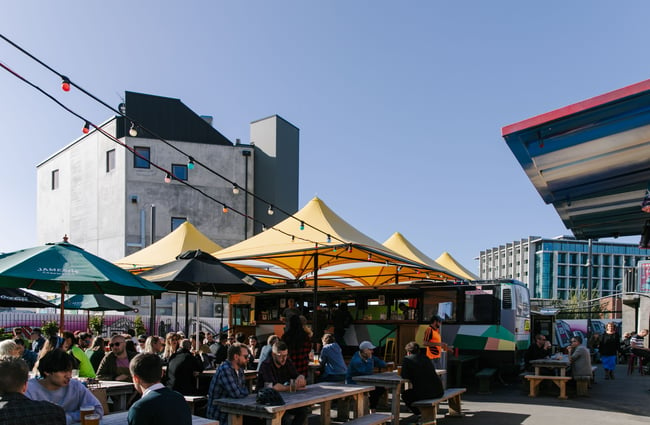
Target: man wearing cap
{"x":364,"y":363}
{"x":433,"y":342}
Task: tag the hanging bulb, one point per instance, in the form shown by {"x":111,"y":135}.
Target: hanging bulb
{"x":293,"y":238}
{"x":65,"y":84}
{"x":302,"y":225}
{"x":235,"y":189}
{"x":224,"y":209}
{"x":168,"y":178}
{"x":263,"y":228}
{"x":122,"y":108}
{"x":86,"y":128}
{"x":270,"y":210}
{"x":190,"y":164}
{"x":329,"y":239}
{"x":349,"y":248}
{"x":133,"y":132}
{"x":369,"y":257}
{"x":334,"y":249}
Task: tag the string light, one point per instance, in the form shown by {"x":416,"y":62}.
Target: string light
{"x":270,"y":210}
{"x":65,"y":84}
{"x":302,"y":225}
{"x":329,"y":239}
{"x":224,"y":209}
{"x":235,"y":189}
{"x":263,"y":228}
{"x":293,"y":238}
{"x":86,"y":128}
{"x":168,"y":178}
{"x":133,"y":131}
{"x":190,"y":164}
{"x":349,"y":248}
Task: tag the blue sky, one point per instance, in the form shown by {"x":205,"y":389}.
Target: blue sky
{"x":400,"y":104}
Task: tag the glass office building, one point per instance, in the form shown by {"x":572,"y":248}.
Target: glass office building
{"x":555,"y":267}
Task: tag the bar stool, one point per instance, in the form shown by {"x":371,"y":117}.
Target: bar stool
{"x":630,"y":364}
{"x":390,"y":350}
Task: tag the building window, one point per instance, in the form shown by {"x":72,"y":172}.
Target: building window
{"x":110,"y":160}
{"x":55,"y":179}
{"x":179,"y":171}
{"x":142,"y":152}
{"x":177,"y":221}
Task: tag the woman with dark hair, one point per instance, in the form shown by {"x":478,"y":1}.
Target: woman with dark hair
{"x":609,"y":349}
{"x":96,"y":352}
{"x":299,"y":343}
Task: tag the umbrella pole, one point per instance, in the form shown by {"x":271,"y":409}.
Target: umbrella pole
{"x":187,"y":312}
{"x":62,"y":310}
{"x":198,"y":318}
{"x":314,"y":316}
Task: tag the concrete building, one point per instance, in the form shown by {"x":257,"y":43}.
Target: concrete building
{"x":554,"y":267}
{"x":112,"y":202}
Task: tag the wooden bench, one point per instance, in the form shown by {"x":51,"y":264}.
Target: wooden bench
{"x":535,"y":380}
{"x":584,"y":382}
{"x":485,"y":376}
{"x":371,"y":419}
{"x":429,"y":408}
{"x":192,"y":399}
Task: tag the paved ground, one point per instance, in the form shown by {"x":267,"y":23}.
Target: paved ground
{"x":623,"y":401}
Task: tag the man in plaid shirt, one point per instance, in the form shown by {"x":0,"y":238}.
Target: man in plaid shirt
{"x":15,"y":407}
{"x":228,"y":382}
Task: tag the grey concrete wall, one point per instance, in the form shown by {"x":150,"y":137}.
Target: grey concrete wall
{"x":276,"y":167}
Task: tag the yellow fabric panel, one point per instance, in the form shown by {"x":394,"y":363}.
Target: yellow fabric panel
{"x":450,"y":263}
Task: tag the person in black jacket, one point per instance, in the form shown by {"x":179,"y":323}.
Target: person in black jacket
{"x":425,"y":382}
{"x":183,"y":369}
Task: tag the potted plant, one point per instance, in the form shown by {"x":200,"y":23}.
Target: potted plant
{"x":96,"y":324}
{"x":50,"y":328}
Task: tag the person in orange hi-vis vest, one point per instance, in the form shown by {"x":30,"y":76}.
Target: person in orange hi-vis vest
{"x":433,"y":342}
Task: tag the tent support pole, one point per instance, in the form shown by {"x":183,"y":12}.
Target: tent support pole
{"x":187,"y":312}
{"x":152,"y":315}
{"x":314,"y":316}
{"x":62,"y":310}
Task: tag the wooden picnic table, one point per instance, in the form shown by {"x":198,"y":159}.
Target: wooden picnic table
{"x":393,"y":384}
{"x":322,"y":394}
{"x":249,"y":375}
{"x":459,"y":363}
{"x":559,"y":363}
{"x":121,"y":419}
{"x":119,"y":392}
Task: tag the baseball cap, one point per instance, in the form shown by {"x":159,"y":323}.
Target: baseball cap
{"x":366,"y":344}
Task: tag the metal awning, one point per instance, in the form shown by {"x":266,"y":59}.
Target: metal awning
{"x":591,"y":160}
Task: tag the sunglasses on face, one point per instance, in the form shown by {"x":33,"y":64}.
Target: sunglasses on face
{"x":114,"y":344}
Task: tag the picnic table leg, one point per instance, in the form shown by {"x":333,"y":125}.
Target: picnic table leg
{"x":235,"y":419}
{"x":343,"y":409}
{"x":455,"y":406}
{"x":534,"y":387}
{"x":429,"y":414}
{"x":326,"y":413}
{"x":361,"y":405}
{"x":396,"y":404}
{"x":276,"y":420}
{"x":562,"y":385}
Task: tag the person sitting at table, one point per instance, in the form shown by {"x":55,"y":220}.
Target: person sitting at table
{"x":425,"y":382}
{"x":540,"y":349}
{"x":158,"y":405}
{"x":265,"y":352}
{"x":86,"y":369}
{"x":331,"y":360}
{"x":580,"y":358}
{"x":15,"y":407}
{"x":96,"y":352}
{"x":638,"y":348}
{"x":229,"y":382}
{"x":57,"y":386}
{"x":183,"y":369}
{"x":279,"y":371}
{"x":364,"y":363}
{"x":219,"y":349}
{"x":28,"y":355}
{"x":253,"y":352}
{"x":115,"y":364}
{"x":37,"y":340}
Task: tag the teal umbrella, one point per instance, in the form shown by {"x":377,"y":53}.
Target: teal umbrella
{"x":63,"y":267}
{"x":92,"y":302}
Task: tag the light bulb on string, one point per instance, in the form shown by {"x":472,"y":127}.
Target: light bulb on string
{"x":224,"y":209}
{"x":190,"y":163}
{"x":329,"y":239}
{"x":293,"y":238}
{"x":65,"y":84}
{"x":133,"y":131}
{"x":302,"y":225}
{"x":270,"y":210}
{"x":263,"y":228}
{"x":235,"y":189}
{"x":168,"y":178}
{"x":350,"y":248}
{"x":86,"y":128}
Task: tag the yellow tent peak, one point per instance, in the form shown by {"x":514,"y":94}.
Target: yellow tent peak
{"x":399,"y":244}
{"x":185,"y":237}
{"x":450,"y":263}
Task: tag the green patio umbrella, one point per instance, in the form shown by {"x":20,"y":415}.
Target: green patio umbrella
{"x":66,"y":268}
{"x":92,"y":302}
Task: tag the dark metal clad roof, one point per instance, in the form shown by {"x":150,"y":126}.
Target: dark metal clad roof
{"x":591,"y":160}
{"x":170,"y":119}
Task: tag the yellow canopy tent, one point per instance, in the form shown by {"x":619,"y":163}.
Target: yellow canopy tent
{"x":450,"y":263}
{"x":185,"y":237}
{"x":399,"y":244}
{"x":331,"y":253}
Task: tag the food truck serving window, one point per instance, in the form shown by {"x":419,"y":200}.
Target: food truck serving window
{"x":480,"y":306}
{"x":441,"y":302}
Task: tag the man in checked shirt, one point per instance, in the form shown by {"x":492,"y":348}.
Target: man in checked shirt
{"x":229,"y":382}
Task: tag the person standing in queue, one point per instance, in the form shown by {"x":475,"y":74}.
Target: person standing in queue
{"x":433,"y":342}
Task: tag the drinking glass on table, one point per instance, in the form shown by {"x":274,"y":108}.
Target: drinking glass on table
{"x":92,"y":419}
{"x":85,"y":411}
